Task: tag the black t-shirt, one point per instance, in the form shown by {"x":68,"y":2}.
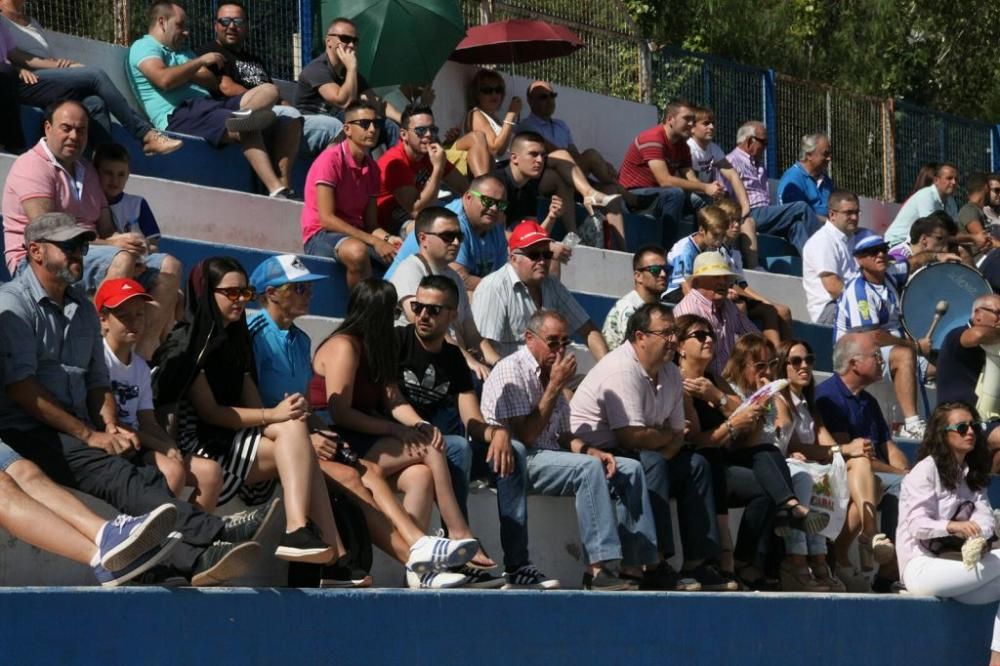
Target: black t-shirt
{"x":522,"y":201}
{"x":318,"y":73}
{"x":710,"y":417}
{"x":430,"y":382}
{"x":243,"y":68}
{"x":958,"y":368}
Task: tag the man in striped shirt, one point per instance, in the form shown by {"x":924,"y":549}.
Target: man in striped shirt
{"x":870,"y":302}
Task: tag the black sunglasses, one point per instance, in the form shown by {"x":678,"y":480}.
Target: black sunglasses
{"x":489,"y":202}
{"x":490,"y":90}
{"x":700,"y":336}
{"x":797,"y":361}
{"x":654,"y":269}
{"x":227,"y":21}
{"x":963,"y":428}
{"x":366,"y":123}
{"x":71,"y":246}
{"x":432,"y":309}
{"x":536,"y":255}
{"x":345,"y":39}
{"x":546,"y":96}
{"x":553,"y":343}
{"x":235,"y":294}
{"x":424,"y":130}
{"x":761,"y":366}
{"x":448,"y":237}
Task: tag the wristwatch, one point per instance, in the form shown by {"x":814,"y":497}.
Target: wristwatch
{"x":834,"y":450}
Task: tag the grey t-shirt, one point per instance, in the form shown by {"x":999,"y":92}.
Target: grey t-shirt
{"x":970,"y":212}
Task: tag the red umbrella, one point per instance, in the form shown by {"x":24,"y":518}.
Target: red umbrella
{"x":515,"y":41}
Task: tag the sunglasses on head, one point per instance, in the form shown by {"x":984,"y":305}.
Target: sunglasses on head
{"x":71,"y":246}
{"x":536,"y":255}
{"x":227,"y":21}
{"x":299,"y":288}
{"x":963,"y":428}
{"x":797,"y":361}
{"x":448,"y":237}
{"x":553,"y":343}
{"x":432,"y":309}
{"x":491,"y":90}
{"x":761,"y":366}
{"x":236,"y":294}
{"x":366,"y":123}
{"x":489,"y":202}
{"x":344,"y":39}
{"x":424,"y":130}
{"x":654,"y":269}
{"x":700,"y":336}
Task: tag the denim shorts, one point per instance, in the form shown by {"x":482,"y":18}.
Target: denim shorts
{"x":98,"y":260}
{"x":325,"y":243}
{"x":7,"y":457}
{"x":204,"y":117}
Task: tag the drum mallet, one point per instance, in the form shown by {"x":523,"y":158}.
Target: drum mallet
{"x":939,"y":311}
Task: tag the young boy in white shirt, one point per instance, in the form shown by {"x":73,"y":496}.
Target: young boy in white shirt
{"x":121,"y":304}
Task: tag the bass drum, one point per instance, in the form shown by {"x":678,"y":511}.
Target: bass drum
{"x":955,"y":283}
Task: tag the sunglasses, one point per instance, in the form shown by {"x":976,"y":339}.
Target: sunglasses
{"x":448,"y":237}
{"x":366,"y":123}
{"x":544,"y":97}
{"x":236,"y":294}
{"x":299,"y":288}
{"x":873,"y":251}
{"x":71,"y":246}
{"x":432,"y":309}
{"x":759,"y":140}
{"x":700,"y":336}
{"x":344,"y":39}
{"x":491,"y":90}
{"x":227,"y":21}
{"x":996,"y":313}
{"x":489,"y":202}
{"x":665,"y":333}
{"x":553,"y":343}
{"x":995,"y":190}
{"x":654,"y":269}
{"x":963,"y":428}
{"x":424,"y":130}
{"x":797,"y":361}
{"x":536,"y":255}
{"x":761,"y":366}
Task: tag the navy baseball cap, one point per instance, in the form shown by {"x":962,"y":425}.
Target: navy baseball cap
{"x":276,"y":271}
{"x":869,"y":243}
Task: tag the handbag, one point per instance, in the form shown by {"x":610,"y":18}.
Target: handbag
{"x":952,"y":544}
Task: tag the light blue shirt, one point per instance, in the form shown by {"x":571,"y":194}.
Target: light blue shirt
{"x":922,"y":203}
{"x":159,"y":104}
{"x":553,"y":130}
{"x":282,"y":358}
{"x":681,"y":258}
{"x":797,"y":185}
{"x":479,"y":255}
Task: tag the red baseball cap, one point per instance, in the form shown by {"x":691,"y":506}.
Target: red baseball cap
{"x":527,"y":233}
{"x":116,"y":291}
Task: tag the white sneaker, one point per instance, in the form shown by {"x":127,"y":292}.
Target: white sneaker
{"x":433,"y":580}
{"x":431,"y":553}
{"x":915,"y":431}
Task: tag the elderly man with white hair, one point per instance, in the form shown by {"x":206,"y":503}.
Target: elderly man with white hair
{"x":794,"y":221}
{"x":807,"y":180}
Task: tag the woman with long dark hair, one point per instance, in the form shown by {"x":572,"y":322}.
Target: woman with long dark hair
{"x":358,"y":364}
{"x":206,"y":368}
{"x":945,"y":515}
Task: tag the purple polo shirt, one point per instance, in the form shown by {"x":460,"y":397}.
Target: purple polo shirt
{"x":354,"y":187}
{"x":753,"y":175}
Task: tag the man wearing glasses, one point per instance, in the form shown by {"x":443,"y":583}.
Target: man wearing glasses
{"x":828,"y":258}
{"x":632,"y":404}
{"x":870,"y":302}
{"x":506,"y":299}
{"x":438,"y":232}
{"x":650,"y":272}
{"x":794,"y":221}
{"x":331,"y":81}
{"x":414,"y":170}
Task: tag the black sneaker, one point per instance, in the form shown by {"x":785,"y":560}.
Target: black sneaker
{"x":528,"y":577}
{"x":711,"y":579}
{"x":304,"y":545}
{"x":342,"y":574}
{"x":663,"y":578}
{"x":480,"y":579}
{"x":222,"y":561}
{"x":160,"y":576}
{"x":250,"y":525}
{"x":605,"y":581}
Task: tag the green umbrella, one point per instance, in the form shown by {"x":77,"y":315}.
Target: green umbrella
{"x":402,"y":41}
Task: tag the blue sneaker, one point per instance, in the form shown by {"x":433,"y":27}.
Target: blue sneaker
{"x":126,"y":538}
{"x":139,"y":565}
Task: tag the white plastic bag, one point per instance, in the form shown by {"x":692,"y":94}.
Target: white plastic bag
{"x":830,"y":493}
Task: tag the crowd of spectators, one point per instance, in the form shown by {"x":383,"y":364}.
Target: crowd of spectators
{"x":459,"y":365}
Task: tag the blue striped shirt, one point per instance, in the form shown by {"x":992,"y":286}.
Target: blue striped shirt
{"x":867,"y":306}
{"x":681,"y":258}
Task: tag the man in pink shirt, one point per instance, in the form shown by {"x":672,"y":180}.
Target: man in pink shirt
{"x":54,"y":177}
{"x":709,"y":297}
{"x":339,"y":217}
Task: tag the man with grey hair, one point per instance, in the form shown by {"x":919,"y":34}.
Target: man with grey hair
{"x":794,"y":221}
{"x":850,"y":412}
{"x":807,"y":180}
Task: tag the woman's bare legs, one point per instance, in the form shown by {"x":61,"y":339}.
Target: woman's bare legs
{"x":417,"y":485}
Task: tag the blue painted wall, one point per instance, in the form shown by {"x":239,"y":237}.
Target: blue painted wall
{"x":269,"y":626}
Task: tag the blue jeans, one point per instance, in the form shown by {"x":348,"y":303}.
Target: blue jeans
{"x":98,"y":260}
{"x":668,"y":205}
{"x":798,"y":542}
{"x":8,"y":457}
{"x":795,"y":222}
{"x":93,"y":88}
{"x":687,"y":477}
{"x":318,"y":130}
{"x":889,"y":506}
{"x":615,"y":516}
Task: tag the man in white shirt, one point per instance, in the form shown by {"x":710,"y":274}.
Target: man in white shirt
{"x":650,"y":272}
{"x":828,"y":257}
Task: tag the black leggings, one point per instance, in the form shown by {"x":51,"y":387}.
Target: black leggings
{"x":768,"y":467}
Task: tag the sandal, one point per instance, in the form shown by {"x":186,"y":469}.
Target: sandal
{"x":824,"y":576}
{"x":799,"y":579}
{"x":883,"y":550}
{"x":809,"y":522}
{"x":481,"y":560}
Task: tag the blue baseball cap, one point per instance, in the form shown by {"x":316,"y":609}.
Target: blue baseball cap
{"x":868,"y":243}
{"x":276,"y":271}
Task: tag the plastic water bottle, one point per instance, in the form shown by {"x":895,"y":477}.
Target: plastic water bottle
{"x":571,"y":240}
